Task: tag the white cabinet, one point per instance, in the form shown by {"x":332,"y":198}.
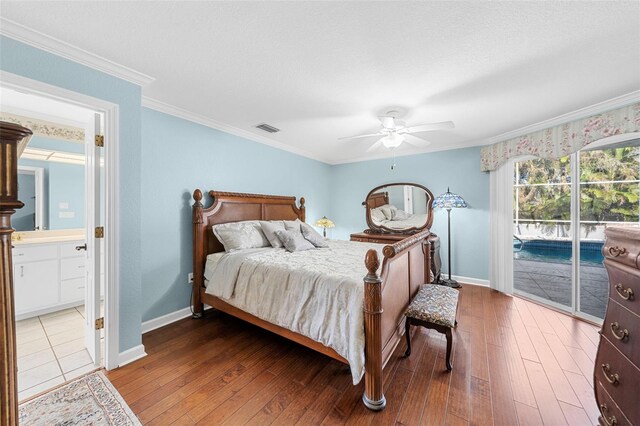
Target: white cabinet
{"x":47,"y":277}
{"x":35,"y":285}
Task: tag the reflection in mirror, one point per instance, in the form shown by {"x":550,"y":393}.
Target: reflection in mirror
{"x":401,"y":207}
{"x":59,"y":202}
{"x":30,"y":187}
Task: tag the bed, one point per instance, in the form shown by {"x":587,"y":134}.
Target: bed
{"x":385,"y":292}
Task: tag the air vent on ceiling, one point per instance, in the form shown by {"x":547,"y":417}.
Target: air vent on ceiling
{"x":267,"y":128}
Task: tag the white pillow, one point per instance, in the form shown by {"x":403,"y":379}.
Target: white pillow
{"x":313,"y":236}
{"x":377,"y":215}
{"x":292,"y":225}
{"x":241,"y":235}
{"x":270,"y":228}
{"x":294,"y":241}
{"x":400,"y":215}
{"x":386,"y":210}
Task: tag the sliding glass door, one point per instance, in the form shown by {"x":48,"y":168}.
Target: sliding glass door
{"x":561,"y":209}
{"x":543,"y":248}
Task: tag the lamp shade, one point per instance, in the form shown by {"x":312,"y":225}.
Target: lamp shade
{"x":449,"y":200}
{"x":324,"y":223}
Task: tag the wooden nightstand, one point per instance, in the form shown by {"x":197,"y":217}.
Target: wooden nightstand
{"x":436,"y":262}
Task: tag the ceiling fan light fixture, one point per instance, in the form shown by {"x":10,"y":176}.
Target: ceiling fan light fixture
{"x":392,"y":141}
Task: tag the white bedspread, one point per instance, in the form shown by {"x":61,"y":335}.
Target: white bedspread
{"x":414,"y":221}
{"x":317,"y":293}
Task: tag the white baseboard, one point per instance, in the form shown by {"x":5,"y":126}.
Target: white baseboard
{"x":131,"y":355}
{"x":152,"y":324}
{"x":167,"y":319}
{"x":468,"y":280}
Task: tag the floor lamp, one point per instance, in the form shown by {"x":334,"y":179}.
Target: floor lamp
{"x":448,"y":201}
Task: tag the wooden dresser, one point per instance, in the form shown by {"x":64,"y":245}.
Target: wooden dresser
{"x":434,"y":240}
{"x":617,"y":369}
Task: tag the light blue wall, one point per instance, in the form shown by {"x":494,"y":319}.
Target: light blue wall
{"x":459,"y":169}
{"x":179,"y":156}
{"x":21,"y":59}
{"x":66,"y":185}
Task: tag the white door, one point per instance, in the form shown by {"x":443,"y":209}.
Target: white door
{"x":408,"y":199}
{"x":92,"y":266}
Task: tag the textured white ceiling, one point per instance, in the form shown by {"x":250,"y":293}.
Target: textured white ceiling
{"x":322,"y":70}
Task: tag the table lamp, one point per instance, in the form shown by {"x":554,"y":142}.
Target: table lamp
{"x":324,"y":223}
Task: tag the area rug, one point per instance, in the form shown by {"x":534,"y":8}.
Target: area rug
{"x":89,"y":400}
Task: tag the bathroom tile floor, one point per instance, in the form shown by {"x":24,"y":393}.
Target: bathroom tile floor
{"x":51,"y":351}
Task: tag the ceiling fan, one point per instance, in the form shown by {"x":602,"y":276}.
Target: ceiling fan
{"x":394,"y":132}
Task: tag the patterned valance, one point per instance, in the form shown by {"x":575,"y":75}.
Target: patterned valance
{"x":562,"y":140}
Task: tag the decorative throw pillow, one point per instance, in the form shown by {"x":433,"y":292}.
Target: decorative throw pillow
{"x":270,"y":228}
{"x":294,"y":241}
{"x":313,"y":236}
{"x":241,"y":235}
{"x":292,"y":225}
{"x":377,"y":215}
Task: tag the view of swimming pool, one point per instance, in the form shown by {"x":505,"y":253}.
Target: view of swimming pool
{"x":557,"y":251}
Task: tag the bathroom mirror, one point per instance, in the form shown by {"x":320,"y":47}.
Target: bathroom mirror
{"x":51,"y":185}
{"x":31,"y":190}
{"x":402,"y":208}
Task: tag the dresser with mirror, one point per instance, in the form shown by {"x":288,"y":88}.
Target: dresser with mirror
{"x":396,"y":210}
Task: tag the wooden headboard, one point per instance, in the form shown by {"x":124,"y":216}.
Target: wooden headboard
{"x":378,"y":199}
{"x":235,"y":207}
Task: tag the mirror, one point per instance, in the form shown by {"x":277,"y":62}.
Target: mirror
{"x":403,"y":208}
{"x":30,"y":187}
{"x":51,"y":185}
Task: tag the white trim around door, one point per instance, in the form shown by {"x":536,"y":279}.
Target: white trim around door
{"x":111,"y":137}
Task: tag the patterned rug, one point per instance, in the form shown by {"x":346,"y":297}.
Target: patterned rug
{"x":89,"y":400}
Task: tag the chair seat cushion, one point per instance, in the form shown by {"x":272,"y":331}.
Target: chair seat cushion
{"x":435,"y":304}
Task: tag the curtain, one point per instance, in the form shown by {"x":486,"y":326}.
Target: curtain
{"x":501,"y":228}
{"x":562,"y":140}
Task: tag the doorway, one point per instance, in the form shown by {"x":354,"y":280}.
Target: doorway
{"x":561,"y":209}
{"x":59,"y":277}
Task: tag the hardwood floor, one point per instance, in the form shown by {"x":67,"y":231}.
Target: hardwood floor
{"x":514,"y":362}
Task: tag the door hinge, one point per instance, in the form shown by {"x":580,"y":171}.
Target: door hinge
{"x":100,"y":140}
{"x":100,"y":323}
{"x":100,"y":232}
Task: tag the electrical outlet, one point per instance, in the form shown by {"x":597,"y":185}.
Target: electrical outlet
{"x":190,"y":277}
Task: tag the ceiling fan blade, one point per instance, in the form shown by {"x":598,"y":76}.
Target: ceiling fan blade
{"x":375,"y":146}
{"x":416,"y":141}
{"x":359,"y":136}
{"x":429,"y":127}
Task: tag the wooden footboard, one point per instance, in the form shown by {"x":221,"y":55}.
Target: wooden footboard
{"x":404,"y":268}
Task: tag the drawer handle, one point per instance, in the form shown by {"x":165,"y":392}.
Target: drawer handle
{"x":614,"y":378}
{"x":614,"y":330}
{"x":626,"y":294}
{"x":609,"y":421}
{"x":616,"y":251}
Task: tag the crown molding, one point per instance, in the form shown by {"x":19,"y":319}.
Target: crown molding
{"x":578,"y":114}
{"x":63,"y":49}
{"x":213,"y":124}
